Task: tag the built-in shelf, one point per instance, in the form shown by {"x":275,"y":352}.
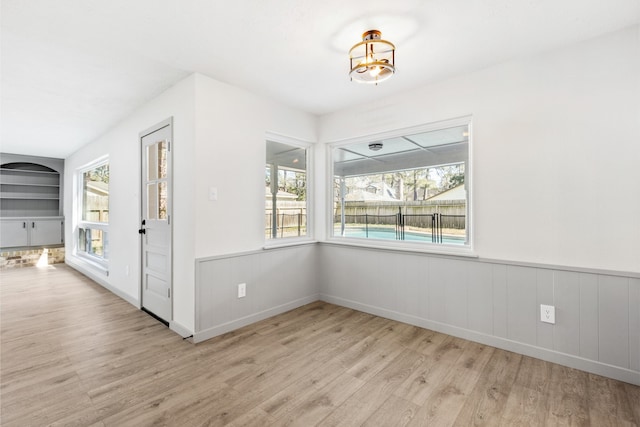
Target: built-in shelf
{"x":30,"y":201}
{"x":27,"y":197}
{"x":28,"y":171}
{"x":30,"y":185}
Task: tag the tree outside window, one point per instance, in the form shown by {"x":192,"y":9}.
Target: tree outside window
{"x":410,"y":188}
{"x":94,"y":215}
{"x":286,"y":206}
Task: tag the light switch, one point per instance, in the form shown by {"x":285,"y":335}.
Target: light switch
{"x":213,"y":193}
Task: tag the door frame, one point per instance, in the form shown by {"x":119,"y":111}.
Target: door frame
{"x":160,"y":125}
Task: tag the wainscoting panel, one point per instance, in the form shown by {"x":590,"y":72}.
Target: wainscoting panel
{"x":480,"y":306}
{"x":566,"y":331}
{"x":613,"y":321}
{"x":277,"y":280}
{"x":522,"y":289}
{"x":588,"y":316}
{"x":499,"y":308}
{"x":493,"y":302}
{"x":634,"y":324}
{"x":597,"y":325}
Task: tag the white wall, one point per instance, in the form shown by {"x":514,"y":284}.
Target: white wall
{"x":122,"y":146}
{"x":555,"y":150}
{"x":230,"y":156}
{"x":219,"y":140}
{"x":555,"y":163}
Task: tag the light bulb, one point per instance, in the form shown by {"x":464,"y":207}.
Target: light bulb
{"x":374,"y":71}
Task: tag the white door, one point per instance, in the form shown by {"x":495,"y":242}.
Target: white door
{"x":155,"y":227}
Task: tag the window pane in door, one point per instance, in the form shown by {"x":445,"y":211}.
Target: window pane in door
{"x":157,"y":161}
{"x":152,"y":201}
{"x":152,"y":162}
{"x":162,"y":159}
{"x":162,"y":200}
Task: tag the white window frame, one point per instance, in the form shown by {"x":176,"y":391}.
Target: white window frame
{"x":80,"y":223}
{"x":404,"y":245}
{"x":308,"y":147}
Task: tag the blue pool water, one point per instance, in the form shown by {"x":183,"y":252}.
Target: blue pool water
{"x":390,"y":234}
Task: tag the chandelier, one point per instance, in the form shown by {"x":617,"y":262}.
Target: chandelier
{"x":373,"y":59}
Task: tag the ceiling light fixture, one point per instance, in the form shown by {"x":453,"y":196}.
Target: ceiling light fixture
{"x":373,"y":59}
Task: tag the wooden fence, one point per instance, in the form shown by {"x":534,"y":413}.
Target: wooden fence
{"x":416,"y":214}
{"x":291,"y":218}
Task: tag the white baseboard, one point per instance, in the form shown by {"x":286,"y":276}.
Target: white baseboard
{"x":99,"y":278}
{"x":208,"y":333}
{"x":179,"y":329}
{"x":588,"y":365}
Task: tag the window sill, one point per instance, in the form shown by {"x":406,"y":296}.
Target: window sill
{"x":98,"y":266}
{"x":424,"y":248}
{"x":283,"y":243}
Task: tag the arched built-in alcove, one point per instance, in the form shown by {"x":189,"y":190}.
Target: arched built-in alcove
{"x":30,"y":208}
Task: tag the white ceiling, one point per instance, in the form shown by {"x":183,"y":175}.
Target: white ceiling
{"x":432,"y":148}
{"x":72,"y":69}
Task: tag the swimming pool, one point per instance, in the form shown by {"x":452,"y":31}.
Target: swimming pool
{"x":390,"y":234}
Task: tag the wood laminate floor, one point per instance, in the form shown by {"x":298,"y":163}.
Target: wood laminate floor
{"x":73,"y":354}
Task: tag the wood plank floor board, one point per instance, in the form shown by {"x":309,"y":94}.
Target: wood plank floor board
{"x":73,"y":354}
{"x":42,"y":360}
{"x":277,"y":372}
{"x":47,"y":403}
{"x":308,"y":409}
{"x":84,"y":417}
{"x":608,"y":400}
{"x":535,"y":374}
{"x":158,"y":378}
{"x":395,"y":411}
{"x":568,"y":403}
{"x":112,"y":398}
{"x":378,"y":356}
{"x":178,"y":405}
{"x":443,"y":356}
{"x":343,"y":338}
{"x":525,"y":407}
{"x":422,"y":382}
{"x":358,"y":408}
{"x":633,"y":396}
{"x":424,"y":340}
{"x":287,"y":398}
{"x":449,"y":397}
{"x":485,"y":404}
{"x":371,"y":396}
{"x":49,"y":380}
{"x":255,"y":417}
{"x":313,"y":322}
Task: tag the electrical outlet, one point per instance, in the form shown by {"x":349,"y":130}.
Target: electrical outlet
{"x":242,"y":290}
{"x":547,"y":314}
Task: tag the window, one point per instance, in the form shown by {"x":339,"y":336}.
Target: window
{"x":157,"y":180}
{"x":286,"y":191}
{"x":93,"y":224}
{"x":412,"y":187}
